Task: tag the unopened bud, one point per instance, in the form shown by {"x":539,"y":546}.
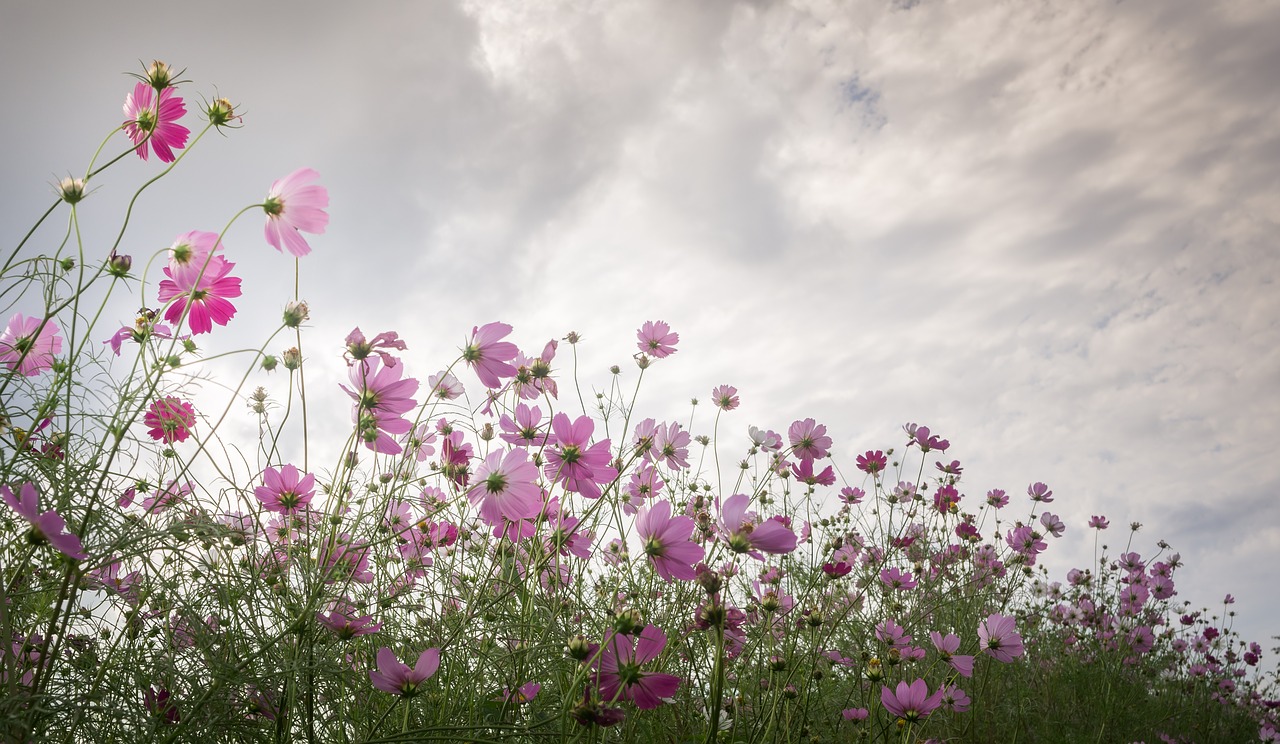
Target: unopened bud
{"x":221,"y":112}
{"x":118,"y":265}
{"x":159,"y":75}
{"x":292,"y":358}
{"x":296,"y":313}
{"x":71,"y":189}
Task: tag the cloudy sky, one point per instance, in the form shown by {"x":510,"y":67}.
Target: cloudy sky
{"x":1046,"y":230}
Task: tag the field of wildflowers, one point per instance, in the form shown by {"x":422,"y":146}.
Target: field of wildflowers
{"x":494,"y":556}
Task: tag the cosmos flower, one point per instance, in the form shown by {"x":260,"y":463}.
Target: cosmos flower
{"x":910,"y":702}
{"x":506,"y":487}
{"x":401,"y":679}
{"x":1000,"y":639}
{"x":153,"y":125}
{"x":47,"y":528}
{"x":295,"y":205}
{"x":206,"y":288}
{"x":809,"y":439}
{"x":666,"y":542}
{"x":656,"y":339}
{"x":725,"y":397}
{"x":284,"y":491}
{"x":170,"y":420}
{"x":742,"y":536}
{"x":618,"y":670}
{"x":28,"y":345}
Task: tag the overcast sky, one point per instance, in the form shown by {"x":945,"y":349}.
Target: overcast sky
{"x":1046,"y":230}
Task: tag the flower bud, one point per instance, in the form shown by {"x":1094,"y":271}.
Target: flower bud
{"x":71,"y":189}
{"x":292,"y":358}
{"x":573,"y":337}
{"x":221,"y":112}
{"x":119,"y":265}
{"x":628,"y":622}
{"x":296,"y":313}
{"x":159,"y":75}
{"x":578,"y":648}
{"x":269,"y":363}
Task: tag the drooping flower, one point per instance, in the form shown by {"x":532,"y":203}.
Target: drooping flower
{"x":295,"y":205}
{"x":910,"y":702}
{"x":1040,"y":492}
{"x":506,"y":487}
{"x":488,"y":355}
{"x":999,"y":638}
{"x":744,"y":536}
{"x":206,"y":288}
{"x":29,"y":344}
{"x":618,"y":672}
{"x":666,"y":541}
{"x":401,"y":679}
{"x":153,"y":125}
{"x":170,"y":420}
{"x":284,"y":491}
{"x":656,"y":339}
{"x":358,"y":347}
{"x":47,"y":528}
{"x":947,"y":646}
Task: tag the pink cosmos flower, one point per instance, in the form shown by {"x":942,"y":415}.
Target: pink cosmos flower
{"x":284,"y":491}
{"x":170,"y":420}
{"x":618,"y":670}
{"x":666,"y":542}
{"x":381,"y":397}
{"x":29,"y":344}
{"x":997,"y":498}
{"x":999,"y":638}
{"x":857,"y":715}
{"x":153,"y":125}
{"x":523,"y":694}
{"x":670,"y":445}
{"x":803,"y":472}
{"x":895,"y":578}
{"x":872,"y":462}
{"x":358,"y":347}
{"x":295,"y":205}
{"x":348,"y":560}
{"x":166,"y":497}
{"x":506,"y":487}
{"x":725,"y":397}
{"x":1040,"y":492}
{"x":576,"y":463}
{"x":921,"y":436}
{"x":769,"y":441}
{"x":656,"y":339}
{"x":444,"y":386}
{"x":954,"y":699}
{"x":343,"y":620}
{"x":743,"y":536}
{"x":525,"y":430}
{"x":47,"y":528}
{"x":644,"y":484}
{"x":809,"y":439}
{"x":1053,"y":524}
{"x":206,"y":288}
{"x":399,"y":679}
{"x":1099,"y":523}
{"x":910,"y":702}
{"x":488,"y":355}
{"x":947,"y":646}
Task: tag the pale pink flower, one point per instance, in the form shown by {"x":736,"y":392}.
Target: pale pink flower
{"x":744,"y":536}
{"x":401,"y":679}
{"x":444,"y":386}
{"x":153,"y":125}
{"x":286,"y":490}
{"x":809,"y":439}
{"x":656,"y":339}
{"x":506,"y":487}
{"x":910,"y":702}
{"x":488,"y":355}
{"x":999,"y":638}
{"x":47,"y":528}
{"x":29,"y":344}
{"x":295,"y":205}
{"x":947,"y":646}
{"x":166,"y":497}
{"x":666,"y":542}
{"x":725,"y":397}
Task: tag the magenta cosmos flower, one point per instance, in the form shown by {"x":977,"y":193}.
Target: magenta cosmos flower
{"x":401,"y":679}
{"x":618,"y":669}
{"x":666,"y":542}
{"x":152,"y":124}
{"x":655,"y":338}
{"x":999,"y":638}
{"x":381,"y":397}
{"x":47,"y":528}
{"x":343,"y":620}
{"x":947,"y":647}
{"x":170,"y":420}
{"x":488,"y":355}
{"x":295,"y":205}
{"x":910,"y":702}
{"x":506,"y":487}
{"x":743,"y":536}
{"x":286,"y":490}
{"x":205,"y":287}
{"x":28,"y":345}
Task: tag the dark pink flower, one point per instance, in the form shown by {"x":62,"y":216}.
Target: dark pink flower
{"x":28,"y":345}
{"x":954,"y":699}
{"x":809,"y":439}
{"x":656,"y":339}
{"x":910,"y":702}
{"x":666,"y":541}
{"x":872,"y":462}
{"x":488,"y":355}
{"x":997,"y":498}
{"x":506,"y":487}
{"x":743,"y":535}
{"x":399,"y":679}
{"x":170,"y":420}
{"x":284,"y":491}
{"x":618,"y":670}
{"x":160,"y":704}
{"x":803,"y":472}
{"x":47,"y":528}
{"x":921,"y":436}
{"x":206,"y":288}
{"x":343,"y":620}
{"x":999,"y":638}
{"x":152,"y":124}
{"x":295,"y":204}
{"x":1099,"y":523}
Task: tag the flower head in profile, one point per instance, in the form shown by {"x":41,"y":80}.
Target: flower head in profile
{"x":910,"y":702}
{"x":1099,"y":523}
{"x":488,"y":355}
{"x":743,"y":535}
{"x":152,"y":123}
{"x":656,"y":339}
{"x":618,"y":669}
{"x":666,"y":541}
{"x":47,"y":528}
{"x":1040,"y":492}
{"x":28,"y":345}
{"x":344,"y":620}
{"x":401,"y":679}
{"x":999,"y":638}
{"x":295,"y":205}
{"x":170,"y":420}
